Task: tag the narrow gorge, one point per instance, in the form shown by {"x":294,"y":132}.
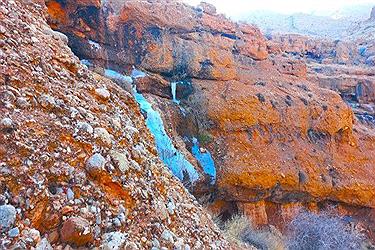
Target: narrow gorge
{"x":132,"y":124}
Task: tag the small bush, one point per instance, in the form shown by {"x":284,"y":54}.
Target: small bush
{"x":240,"y":231}
{"x":309,"y":231}
{"x":204,"y":138}
{"x":270,"y":239}
{"x":235,"y":227}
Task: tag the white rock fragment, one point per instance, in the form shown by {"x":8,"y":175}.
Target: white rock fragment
{"x":171,"y":207}
{"x":14,"y":232}
{"x":120,"y":160}
{"x":31,"y":235}
{"x":95,"y":163}
{"x":44,"y":245}
{"x":47,"y":101}
{"x":70,"y":194}
{"x":131,"y":246}
{"x":85,"y":127}
{"x":116,"y":123}
{"x":22,"y":102}
{"x":103,"y":93}
{"x":73,"y":112}
{"x":6,"y":123}
{"x":114,"y":240}
{"x":167,"y":236}
{"x":103,"y":135}
{"x":179,"y":244}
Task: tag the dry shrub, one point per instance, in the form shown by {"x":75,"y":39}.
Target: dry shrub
{"x":239,"y":231}
{"x":310,"y":231}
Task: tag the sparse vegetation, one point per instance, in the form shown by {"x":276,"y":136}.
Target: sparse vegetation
{"x":310,"y":231}
{"x":241,"y":232}
{"x":204,"y":138}
{"x":307,"y":231}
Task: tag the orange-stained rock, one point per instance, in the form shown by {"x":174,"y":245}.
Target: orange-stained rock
{"x":252,"y":44}
{"x":154,"y":84}
{"x":170,"y":38}
{"x":296,"y":67}
{"x":256,"y":212}
{"x":277,"y":135}
{"x":76,"y":231}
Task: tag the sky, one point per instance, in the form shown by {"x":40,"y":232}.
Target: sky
{"x":235,"y":8}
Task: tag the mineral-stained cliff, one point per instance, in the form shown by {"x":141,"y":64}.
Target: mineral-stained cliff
{"x":345,"y":66}
{"x":280,"y":141}
{"x":78,"y":167}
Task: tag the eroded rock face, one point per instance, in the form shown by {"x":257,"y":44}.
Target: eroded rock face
{"x":372,"y":15}
{"x":158,"y":39}
{"x":280,"y":140}
{"x":343,"y":66}
{"x":60,"y":126}
{"x":286,"y":141}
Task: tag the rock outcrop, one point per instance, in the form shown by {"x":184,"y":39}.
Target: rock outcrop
{"x":78,"y":165}
{"x":158,"y":39}
{"x":279,"y":139}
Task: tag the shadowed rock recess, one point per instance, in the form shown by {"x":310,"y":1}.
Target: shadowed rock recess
{"x":262,"y":126}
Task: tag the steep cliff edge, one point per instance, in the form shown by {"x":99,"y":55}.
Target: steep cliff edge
{"x":78,"y":164}
{"x":278,"y":139}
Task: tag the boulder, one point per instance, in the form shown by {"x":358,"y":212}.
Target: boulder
{"x":76,"y":231}
{"x":7,"y":217}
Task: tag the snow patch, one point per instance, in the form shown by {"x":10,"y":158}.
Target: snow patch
{"x":86,"y":62}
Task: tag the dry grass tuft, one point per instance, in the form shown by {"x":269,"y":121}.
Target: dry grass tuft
{"x":240,"y":232}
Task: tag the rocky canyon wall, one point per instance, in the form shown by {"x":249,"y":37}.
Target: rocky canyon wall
{"x":78,"y":166}
{"x":273,"y":113}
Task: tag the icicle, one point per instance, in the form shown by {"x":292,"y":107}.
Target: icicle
{"x":174,"y":90}
{"x":173,"y":158}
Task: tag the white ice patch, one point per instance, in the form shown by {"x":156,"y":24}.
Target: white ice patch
{"x":86,"y":62}
{"x":173,"y":158}
{"x":117,"y":76}
{"x":94,"y":45}
{"x":205,"y":159}
{"x":137,"y":73}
